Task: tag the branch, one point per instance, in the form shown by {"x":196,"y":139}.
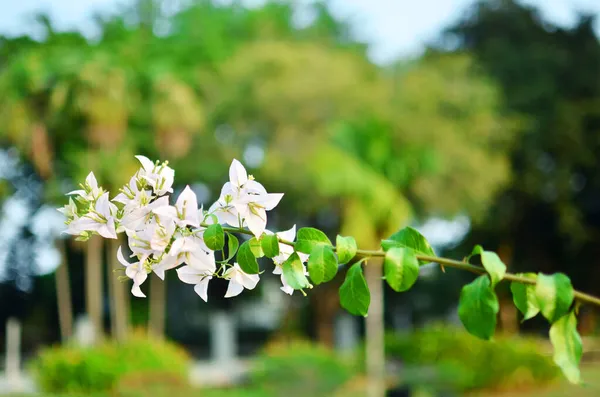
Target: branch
{"x":580,"y":296}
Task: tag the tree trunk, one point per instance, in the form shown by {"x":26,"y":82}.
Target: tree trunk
{"x":63,"y":294}
{"x":326,"y":304}
{"x":93,"y":284}
{"x":375,"y":348}
{"x":508,"y":316}
{"x":158,"y":290}
{"x":119,"y":302}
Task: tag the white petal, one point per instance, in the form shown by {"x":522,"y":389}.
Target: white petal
{"x":288,"y":235}
{"x":237,"y":173}
{"x":168,"y":212}
{"x":102,"y":205}
{"x":189,"y":275}
{"x":79,"y":192}
{"x":121,"y":198}
{"x":255,"y":187}
{"x":91,"y":181}
{"x":167,"y":263}
{"x":270,"y":200}
{"x":228,"y":189}
{"x":121,"y":258}
{"x":234,"y":289}
{"x":137,"y":291}
{"x":107,"y":230}
{"x":257,"y":223}
{"x":188,"y":203}
{"x":203,"y":261}
{"x":82,"y":224}
{"x":287,"y":289}
{"x":146,"y":163}
{"x":132,"y":270}
{"x":250,"y":280}
{"x":202,"y":288}
{"x":140,"y":277}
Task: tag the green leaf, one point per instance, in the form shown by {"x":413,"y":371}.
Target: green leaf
{"x":401,"y":268}
{"x":478,"y":307}
{"x":308,"y":237}
{"x":214,"y":237}
{"x":354,"y":292}
{"x":270,"y":245}
{"x":293,"y":271}
{"x":554,"y":295}
{"x":246,"y":259}
{"x":492,"y":264}
{"x":346,"y":248}
{"x":524,"y":297}
{"x":409,"y":238}
{"x":232,"y":246}
{"x":256,"y":247}
{"x":567,"y":346}
{"x":322,"y":264}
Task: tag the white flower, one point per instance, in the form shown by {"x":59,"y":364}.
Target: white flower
{"x":90,"y":191}
{"x":185,"y":210}
{"x":166,"y":263}
{"x":198,"y":271}
{"x":136,"y":272}
{"x":188,"y":242}
{"x":238,"y":280}
{"x":69,"y":210}
{"x":136,"y":214}
{"x":162,"y":233}
{"x":132,"y":196}
{"x":224,"y":209}
{"x":284,"y":253}
{"x":99,"y":219}
{"x":243,"y":200}
{"x":159,"y":177}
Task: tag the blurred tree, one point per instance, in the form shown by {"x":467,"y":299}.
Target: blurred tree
{"x":548,"y":219}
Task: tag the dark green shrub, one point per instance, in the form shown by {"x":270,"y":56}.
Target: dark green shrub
{"x":300,"y":369}
{"x":451,"y":358}
{"x":70,"y":369}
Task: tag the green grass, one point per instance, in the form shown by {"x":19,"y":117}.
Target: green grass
{"x":590,"y":372}
{"x":590,"y":388}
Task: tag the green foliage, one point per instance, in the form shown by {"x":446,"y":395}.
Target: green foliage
{"x":409,"y":238}
{"x":256,"y":247}
{"x":524,"y":297}
{"x":478,"y":307}
{"x":354,"y":292}
{"x":492,"y":264}
{"x":246,"y":259}
{"x":567,"y":346}
{"x":401,"y":268}
{"x":300,"y":369}
{"x":554,"y":295}
{"x":463,"y":363}
{"x":346,"y":248}
{"x":214,"y":237}
{"x":77,"y":370}
{"x":322,"y":264}
{"x":308,"y":237}
{"x":270,"y":245}
{"x":232,"y":246}
{"x":293,"y":271}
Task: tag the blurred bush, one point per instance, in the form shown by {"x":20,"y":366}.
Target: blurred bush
{"x":300,"y":368}
{"x":449,"y":358}
{"x":70,"y":369}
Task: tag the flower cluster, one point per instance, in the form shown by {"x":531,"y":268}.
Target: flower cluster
{"x":163,"y":236}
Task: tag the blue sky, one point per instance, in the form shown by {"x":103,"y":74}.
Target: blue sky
{"x":393,"y":27}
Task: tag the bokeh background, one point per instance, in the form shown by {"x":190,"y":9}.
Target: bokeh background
{"x":475,"y":122}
